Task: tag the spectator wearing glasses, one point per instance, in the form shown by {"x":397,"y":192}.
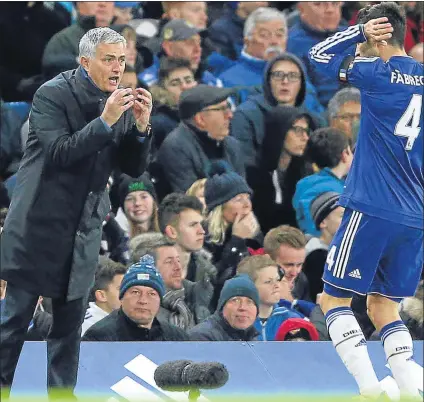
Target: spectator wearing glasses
{"x":284,"y":83}
{"x":175,"y":76}
{"x":281,"y":165}
{"x":265,"y":37}
{"x":200,"y":138}
{"x":344,"y":112}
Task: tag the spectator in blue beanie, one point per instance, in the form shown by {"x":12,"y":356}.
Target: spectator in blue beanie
{"x":141,"y":293}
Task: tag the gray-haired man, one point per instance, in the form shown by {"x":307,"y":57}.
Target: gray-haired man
{"x":82,"y":126}
{"x":344,"y":111}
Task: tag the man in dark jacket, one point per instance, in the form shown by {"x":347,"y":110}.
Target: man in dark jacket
{"x":81,"y":128}
{"x":141,"y":292}
{"x":201,"y":137}
{"x":234,"y":319}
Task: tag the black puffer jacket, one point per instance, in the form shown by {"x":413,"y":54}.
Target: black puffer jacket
{"x":217,"y":328}
{"x":117,"y":327}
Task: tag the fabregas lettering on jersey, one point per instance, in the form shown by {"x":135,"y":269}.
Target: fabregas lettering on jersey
{"x":399,"y":78}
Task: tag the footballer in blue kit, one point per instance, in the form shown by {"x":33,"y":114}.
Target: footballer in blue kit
{"x":378,"y":249}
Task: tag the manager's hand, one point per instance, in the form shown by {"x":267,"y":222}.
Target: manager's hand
{"x":142,"y":108}
{"x":121,"y":100}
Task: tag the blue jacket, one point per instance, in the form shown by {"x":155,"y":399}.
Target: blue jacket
{"x":301,"y":39}
{"x":247,"y":71}
{"x":268,"y":329}
{"x":150,"y":75}
{"x":307,"y":190}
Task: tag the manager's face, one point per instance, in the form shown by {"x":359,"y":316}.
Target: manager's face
{"x":107,"y":66}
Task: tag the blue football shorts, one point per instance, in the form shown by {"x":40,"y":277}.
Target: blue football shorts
{"x":373,"y":255}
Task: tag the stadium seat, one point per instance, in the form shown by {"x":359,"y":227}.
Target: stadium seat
{"x":20,"y":108}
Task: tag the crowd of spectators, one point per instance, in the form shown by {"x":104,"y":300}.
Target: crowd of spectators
{"x":226,"y":234}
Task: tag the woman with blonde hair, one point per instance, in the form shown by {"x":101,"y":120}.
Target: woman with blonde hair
{"x":197,"y":189}
{"x":231,"y":224}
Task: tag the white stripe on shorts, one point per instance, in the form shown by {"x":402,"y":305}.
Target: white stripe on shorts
{"x":346,"y":245}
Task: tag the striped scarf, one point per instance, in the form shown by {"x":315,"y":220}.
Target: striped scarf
{"x":180,"y":314}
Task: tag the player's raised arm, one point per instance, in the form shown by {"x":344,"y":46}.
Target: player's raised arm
{"x":332,"y":55}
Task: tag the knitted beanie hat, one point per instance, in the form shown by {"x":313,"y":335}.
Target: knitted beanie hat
{"x":240,"y":285}
{"x":323,"y":205}
{"x":223,"y":184}
{"x":143,"y":273}
{"x":128,"y":184}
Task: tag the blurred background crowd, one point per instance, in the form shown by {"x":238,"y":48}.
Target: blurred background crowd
{"x":239,"y":203}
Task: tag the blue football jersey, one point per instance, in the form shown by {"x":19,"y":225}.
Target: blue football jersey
{"x":386,"y":179}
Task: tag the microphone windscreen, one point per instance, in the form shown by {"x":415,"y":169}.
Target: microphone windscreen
{"x":168,"y":376}
{"x":205,"y":375}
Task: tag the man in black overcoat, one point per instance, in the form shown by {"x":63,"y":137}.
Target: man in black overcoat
{"x":82,"y":126}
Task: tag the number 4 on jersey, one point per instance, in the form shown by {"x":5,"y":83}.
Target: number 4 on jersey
{"x":408,"y":124}
{"x":330,"y":257}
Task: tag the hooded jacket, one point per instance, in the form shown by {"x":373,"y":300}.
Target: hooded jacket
{"x":248,"y":122}
{"x":272,"y":199}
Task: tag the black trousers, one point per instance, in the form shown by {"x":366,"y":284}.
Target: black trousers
{"x":63,"y":340}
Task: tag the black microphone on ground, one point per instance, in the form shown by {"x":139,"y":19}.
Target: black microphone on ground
{"x":186,"y":375}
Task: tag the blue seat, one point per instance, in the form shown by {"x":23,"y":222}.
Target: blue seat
{"x":20,"y":108}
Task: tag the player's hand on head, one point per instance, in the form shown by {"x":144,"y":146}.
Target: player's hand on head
{"x":378,"y":30}
{"x":142,"y":109}
{"x":118,"y":102}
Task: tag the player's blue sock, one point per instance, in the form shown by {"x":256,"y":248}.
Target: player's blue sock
{"x":397,"y":343}
{"x":351,"y":346}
